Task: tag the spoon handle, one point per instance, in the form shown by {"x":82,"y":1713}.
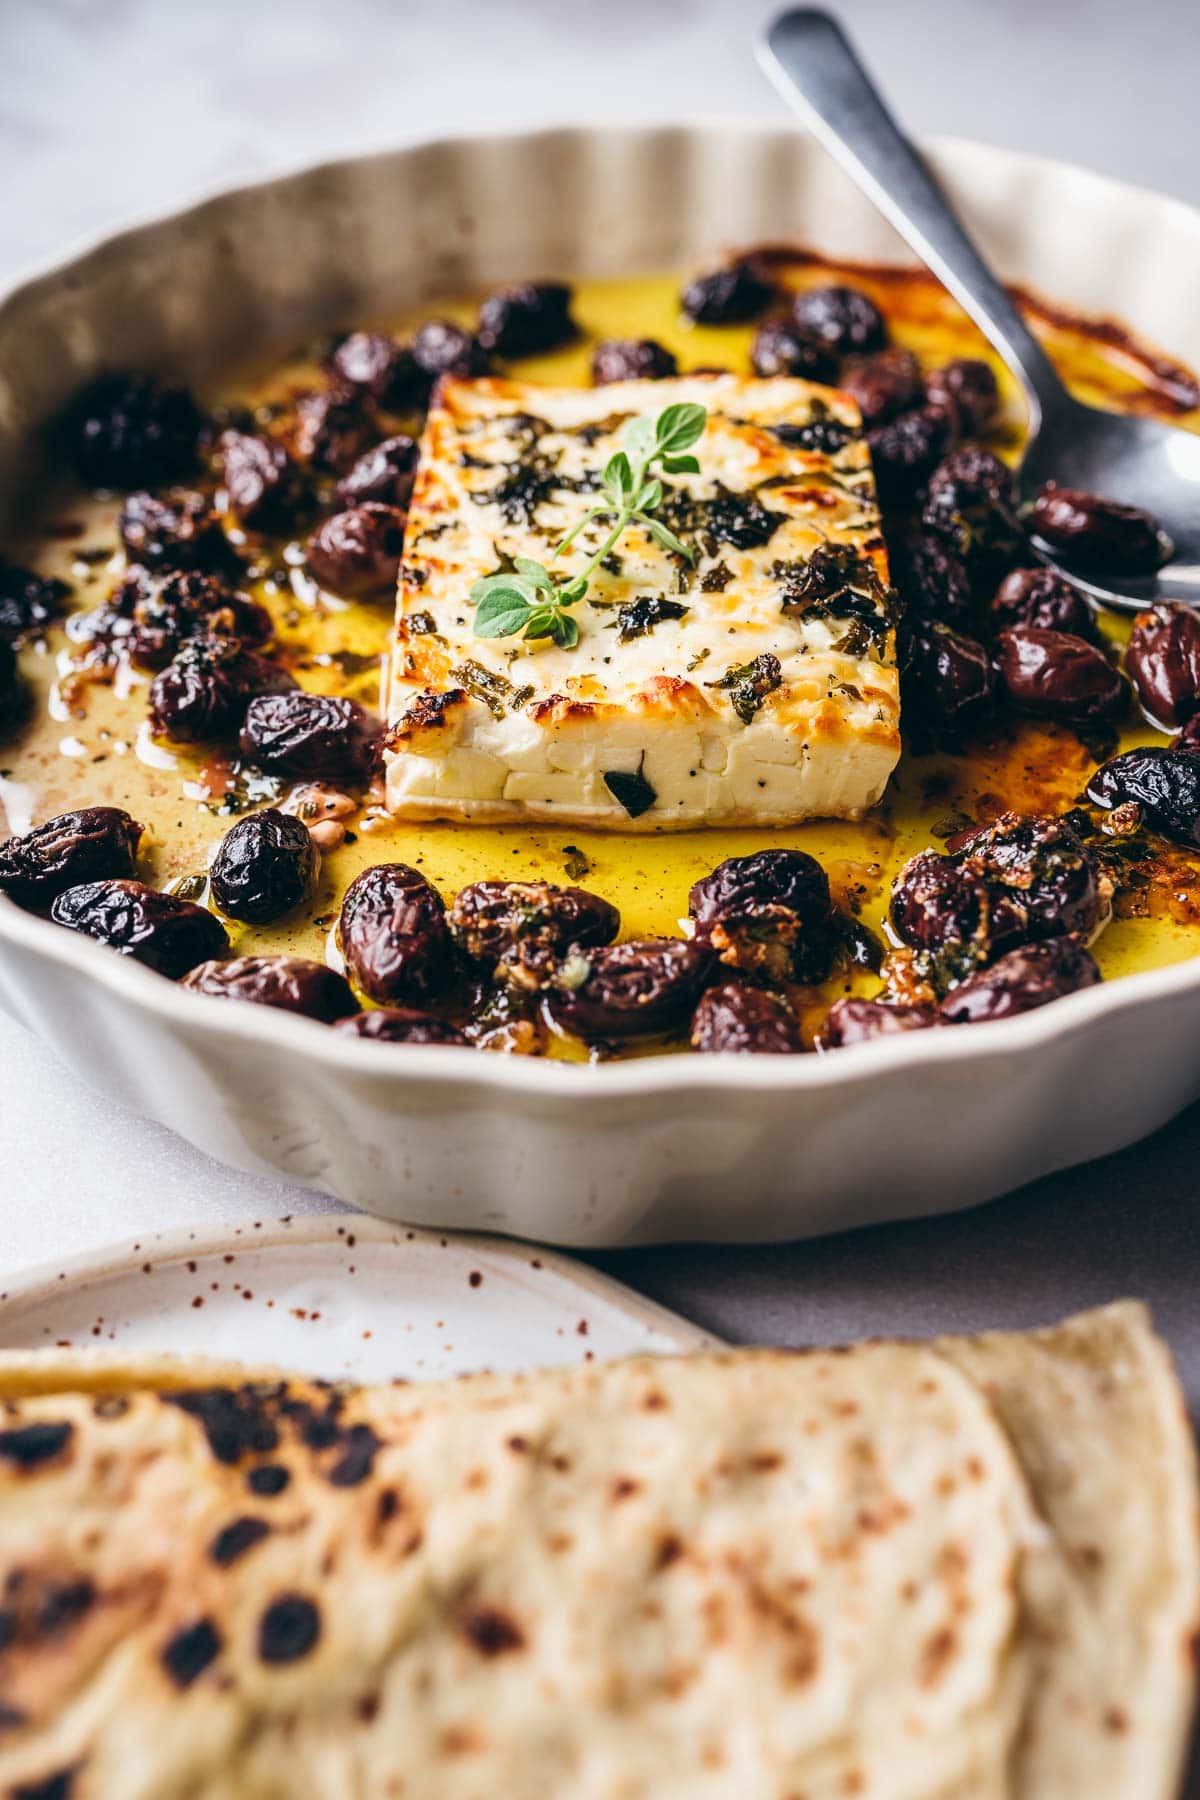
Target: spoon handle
{"x":812,"y":63}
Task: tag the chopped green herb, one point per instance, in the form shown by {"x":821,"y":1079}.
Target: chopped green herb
{"x":748,"y":684}
{"x":575,"y":863}
{"x":637,"y":618}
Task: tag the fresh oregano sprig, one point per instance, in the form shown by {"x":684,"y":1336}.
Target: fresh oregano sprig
{"x":531,"y":600}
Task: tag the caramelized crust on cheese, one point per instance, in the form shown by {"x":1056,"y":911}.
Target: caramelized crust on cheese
{"x":665,"y":688}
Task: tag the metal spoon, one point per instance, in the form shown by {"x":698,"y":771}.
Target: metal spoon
{"x":1138,"y":461}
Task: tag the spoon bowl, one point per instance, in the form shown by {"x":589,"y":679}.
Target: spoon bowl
{"x":1139,"y":462}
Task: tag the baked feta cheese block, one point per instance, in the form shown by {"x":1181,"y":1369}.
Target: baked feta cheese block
{"x":755,"y":686}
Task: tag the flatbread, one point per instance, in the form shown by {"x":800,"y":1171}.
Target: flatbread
{"x":915,"y":1571}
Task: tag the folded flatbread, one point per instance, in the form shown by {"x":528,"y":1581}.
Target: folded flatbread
{"x":967,"y":1568}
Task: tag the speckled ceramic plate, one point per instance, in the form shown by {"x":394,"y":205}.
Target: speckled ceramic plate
{"x":340,"y":1297}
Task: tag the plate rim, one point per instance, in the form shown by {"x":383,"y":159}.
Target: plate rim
{"x":116,"y":1258}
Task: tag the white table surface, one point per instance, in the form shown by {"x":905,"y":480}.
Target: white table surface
{"x":111,"y":108}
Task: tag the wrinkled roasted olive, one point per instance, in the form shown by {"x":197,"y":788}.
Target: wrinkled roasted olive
{"x":1042,"y":598}
{"x":905,"y":452}
{"x":159,"y":930}
{"x":528,"y":926}
{"x":779,"y":348}
{"x":332,"y":427}
{"x":295,"y":733}
{"x":1042,"y":879}
{"x":885,"y":384}
{"x":744,"y":1021}
{"x":357,"y":551}
{"x":1165,"y":784}
{"x":442,"y":348}
{"x":14,"y":698}
{"x":844,"y":320}
{"x":262,"y":483}
{"x":526,"y":319}
{"x":1058,"y":676}
{"x":204,"y":692}
{"x":266,"y":866}
{"x":401,"y":1025}
{"x":932,"y":580}
{"x":972,"y":473}
{"x":182,"y":532}
{"x":93,"y":844}
{"x":161,"y":619}
{"x":1093,"y":533}
{"x":949,"y":680}
{"x":27,"y":601}
{"x":767,"y":915}
{"x":1026,"y":978}
{"x":393,"y":935}
{"x":290,"y":983}
{"x":380,"y":366}
{"x":128,"y":431}
{"x":853,"y":1021}
{"x":935,"y":903}
{"x":639,"y":989}
{"x":383,"y":473}
{"x":966,"y":386}
{"x":631,"y":359}
{"x":729,"y":296}
{"x":1162,"y":659}
{"x":971,"y":506}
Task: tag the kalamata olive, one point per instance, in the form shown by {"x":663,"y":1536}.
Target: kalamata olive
{"x":885,"y":384}
{"x":1042,"y":598}
{"x":844,"y":320}
{"x":393,"y":935}
{"x":164,"y":617}
{"x":128,"y":431}
{"x":767,"y":915}
{"x":262,"y":483}
{"x":640,"y":989}
{"x":266,"y":866}
{"x":290,"y":983}
{"x":949,"y":681}
{"x":357,"y":551}
{"x":321,"y":735}
{"x":204,"y":692}
{"x":967,"y":386}
{"x":1189,"y":738}
{"x":853,"y":1021}
{"x":1058,"y":676}
{"x":383,"y":473}
{"x":528,"y":926}
{"x":1162,"y":659}
{"x":93,"y":844}
{"x":27,"y":601}
{"x":972,"y":474}
{"x":442,"y":348}
{"x":380,"y":366}
{"x":1042,"y":879}
{"x":1026,"y":978}
{"x":631,"y":359}
{"x":935,"y":903}
{"x":932,"y":580}
{"x":401,"y":1025}
{"x":1165,"y":784}
{"x":1093,"y":533}
{"x":523,"y":320}
{"x":779,"y":348}
{"x":745,"y":1021}
{"x":905,"y":452}
{"x":332,"y":427}
{"x":729,"y":296}
{"x":14,"y":696}
{"x":181,"y":532}
{"x":159,"y":930}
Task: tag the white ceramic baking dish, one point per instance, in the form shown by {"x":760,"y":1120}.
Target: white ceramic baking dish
{"x":674,"y":1147}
